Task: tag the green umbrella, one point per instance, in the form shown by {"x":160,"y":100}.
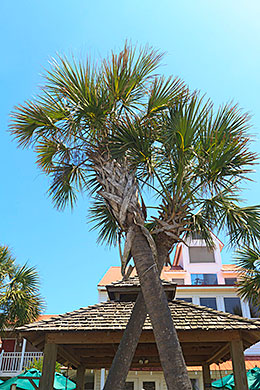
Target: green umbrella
{"x":253,"y":379}
{"x":60,"y":381}
{"x":224,"y":383}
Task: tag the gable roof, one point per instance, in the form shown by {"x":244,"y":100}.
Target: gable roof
{"x":114,"y":315}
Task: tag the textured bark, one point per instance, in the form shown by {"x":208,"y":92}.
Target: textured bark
{"x":172,"y":361}
{"x":123,"y":358}
{"x":120,"y":192}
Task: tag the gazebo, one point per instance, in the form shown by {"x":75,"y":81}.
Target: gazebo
{"x":89,"y":337}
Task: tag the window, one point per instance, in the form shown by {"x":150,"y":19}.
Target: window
{"x":204,"y":279}
{"x":185,"y":299}
{"x":233,"y":306}
{"x":194,"y":384}
{"x":209,"y":302}
{"x":180,"y":282}
{"x":129,"y":385}
{"x":149,"y":385}
{"x":201,"y":254}
{"x":230,"y":281}
{"x":196,"y":236}
{"x":254,"y":310}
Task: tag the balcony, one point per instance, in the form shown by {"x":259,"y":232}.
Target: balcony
{"x":13,"y":363}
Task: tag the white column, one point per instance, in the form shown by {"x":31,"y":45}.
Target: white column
{"x":245,"y":309}
{"x":196,"y":300}
{"x":220,"y":303}
{"x":102,"y":378}
{"x":22,"y":355}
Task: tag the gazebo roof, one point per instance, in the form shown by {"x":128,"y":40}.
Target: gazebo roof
{"x":91,"y":335}
{"x":113,"y":315}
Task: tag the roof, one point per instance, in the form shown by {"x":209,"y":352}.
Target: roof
{"x":133,"y":281}
{"x":46,"y":316}
{"x":114,"y":273}
{"x":229,"y":267}
{"x":227,"y":366}
{"x":114,"y":315}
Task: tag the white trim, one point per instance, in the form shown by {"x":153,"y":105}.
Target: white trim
{"x":23,"y":352}
{"x":102,"y":378}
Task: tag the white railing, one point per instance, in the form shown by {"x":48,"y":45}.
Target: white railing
{"x":12,"y":363}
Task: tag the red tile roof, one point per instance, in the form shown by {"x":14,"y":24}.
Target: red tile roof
{"x":227,"y":366}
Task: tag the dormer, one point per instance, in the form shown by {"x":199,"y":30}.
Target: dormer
{"x":202,"y":264}
{"x":127,"y":290}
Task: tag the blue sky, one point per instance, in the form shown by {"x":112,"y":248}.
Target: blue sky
{"x":213,"y":45}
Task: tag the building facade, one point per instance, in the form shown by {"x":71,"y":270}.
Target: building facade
{"x":201,"y":279}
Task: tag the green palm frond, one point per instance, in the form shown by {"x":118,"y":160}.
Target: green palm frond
{"x":102,"y":219}
{"x":164,"y":93}
{"x":20,"y":300}
{"x":248,"y":284}
{"x":223,"y":148}
{"x":127,"y":75}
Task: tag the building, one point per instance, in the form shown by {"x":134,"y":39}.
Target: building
{"x":202,"y":279}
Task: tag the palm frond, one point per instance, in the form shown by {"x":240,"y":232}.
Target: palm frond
{"x":248,"y":284}
{"x":102,"y":219}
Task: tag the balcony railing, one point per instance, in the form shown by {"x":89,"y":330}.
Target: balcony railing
{"x":12,"y":363}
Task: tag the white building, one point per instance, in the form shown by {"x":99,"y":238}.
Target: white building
{"x":203,"y":280}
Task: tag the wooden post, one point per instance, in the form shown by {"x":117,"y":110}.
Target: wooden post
{"x":48,"y":369}
{"x":238,"y":363}
{"x":80,"y":379}
{"x":206,"y":377}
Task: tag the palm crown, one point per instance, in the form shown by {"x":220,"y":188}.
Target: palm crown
{"x":20,"y":301}
{"x":190,"y":158}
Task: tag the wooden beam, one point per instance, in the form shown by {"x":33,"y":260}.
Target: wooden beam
{"x":49,"y":363}
{"x":238,"y":362}
{"x":206,"y":377}
{"x":114,"y":337}
{"x":80,"y":378}
{"x":219,"y":354}
{"x":68,"y":356}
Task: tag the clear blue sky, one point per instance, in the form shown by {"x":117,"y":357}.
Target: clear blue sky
{"x":213,"y":45}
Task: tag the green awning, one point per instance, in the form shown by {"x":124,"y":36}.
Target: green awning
{"x":253,"y":379}
{"x":60,"y":381}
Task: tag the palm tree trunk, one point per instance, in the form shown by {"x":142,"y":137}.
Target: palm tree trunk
{"x":125,"y":353}
{"x":172,"y":361}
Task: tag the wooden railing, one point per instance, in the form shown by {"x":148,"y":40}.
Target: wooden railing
{"x":12,"y":363}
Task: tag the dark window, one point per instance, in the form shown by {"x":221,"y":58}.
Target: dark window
{"x":180,"y":282}
{"x":254,"y":310}
{"x":209,"y":302}
{"x":230,"y":281}
{"x":233,"y":306}
{"x":185,"y":299}
{"x":204,"y":279}
{"x":129,"y":386}
{"x":89,"y":384}
{"x":194,"y":384}
{"x":148,"y":385}
{"x":196,"y":236}
{"x":201,"y":254}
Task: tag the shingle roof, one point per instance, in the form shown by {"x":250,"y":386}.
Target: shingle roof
{"x":113,"y":315}
{"x":133,"y":281}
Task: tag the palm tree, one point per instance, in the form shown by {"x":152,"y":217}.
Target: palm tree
{"x":202,"y":159}
{"x":248,"y":284}
{"x":119,"y":130}
{"x":20,"y":301}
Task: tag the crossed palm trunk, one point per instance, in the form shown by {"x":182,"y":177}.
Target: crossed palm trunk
{"x":125,"y":353}
{"x":120,"y":191}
